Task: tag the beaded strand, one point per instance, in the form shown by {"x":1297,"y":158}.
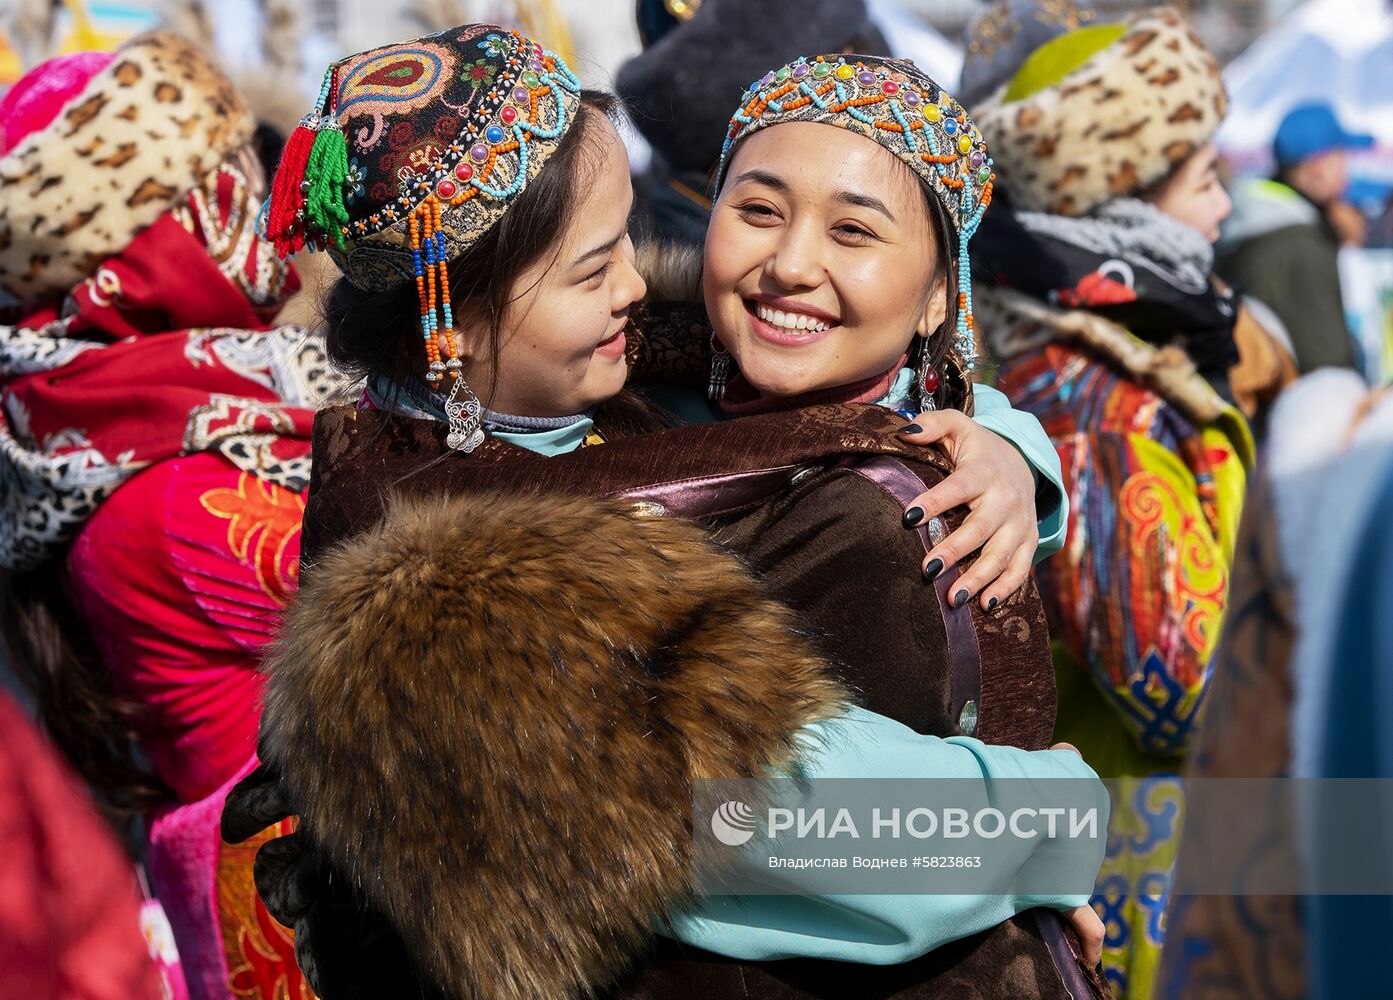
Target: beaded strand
{"x":429,"y":256}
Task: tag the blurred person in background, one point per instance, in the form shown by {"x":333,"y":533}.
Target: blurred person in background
{"x":1097,"y":297}
{"x":1282,"y":242}
{"x":154,"y":446}
{"x":69,"y":921}
{"x":679,"y":90}
{"x":1300,"y":692}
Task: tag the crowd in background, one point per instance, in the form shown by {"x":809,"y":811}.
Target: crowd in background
{"x":1183,"y":336}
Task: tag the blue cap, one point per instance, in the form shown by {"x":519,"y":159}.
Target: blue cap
{"x":1312,"y":129}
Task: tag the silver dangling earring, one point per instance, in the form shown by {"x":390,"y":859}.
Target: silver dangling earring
{"x":926,"y":381}
{"x":720,"y":370}
{"x":466,"y":415}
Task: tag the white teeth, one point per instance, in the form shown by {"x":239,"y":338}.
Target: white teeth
{"x":789,"y":320}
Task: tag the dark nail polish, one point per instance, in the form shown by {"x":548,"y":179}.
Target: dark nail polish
{"x":991,"y":605}
{"x":932,"y":568}
{"x":913,"y":516}
{"x":911,"y":429}
{"x":960,"y":598}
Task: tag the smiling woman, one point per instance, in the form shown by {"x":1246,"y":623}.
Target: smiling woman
{"x":577,"y":287}
{"x":540,"y":320}
{"x":825,"y":264}
{"x":512,"y":656}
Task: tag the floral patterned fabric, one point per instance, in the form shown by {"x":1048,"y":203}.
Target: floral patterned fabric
{"x":154,"y":435}
{"x":181,"y":577}
{"x":464,"y":118}
{"x":146,"y":360}
{"x":1135,"y":601}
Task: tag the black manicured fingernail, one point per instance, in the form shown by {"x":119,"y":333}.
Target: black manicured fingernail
{"x":960,"y":598}
{"x":911,"y":429}
{"x":913,"y":516}
{"x":991,"y":605}
{"x":932,"y":568}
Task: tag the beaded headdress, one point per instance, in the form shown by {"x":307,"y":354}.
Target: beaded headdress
{"x":412,"y":153}
{"x":892,"y":102}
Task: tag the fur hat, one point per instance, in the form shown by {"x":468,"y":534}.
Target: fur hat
{"x":894,"y":104}
{"x":1104,"y":112}
{"x":125,"y":149}
{"x":681,"y":89}
{"x":416,"y":149}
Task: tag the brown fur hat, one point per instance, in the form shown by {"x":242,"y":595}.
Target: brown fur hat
{"x":1112,"y":126}
{"x":138,"y":137}
{"x":491,"y":709}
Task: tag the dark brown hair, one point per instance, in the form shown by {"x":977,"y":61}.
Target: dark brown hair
{"x":54,"y":656}
{"x":377,"y":334}
{"x":954,"y":391}
{"x":369,"y":333}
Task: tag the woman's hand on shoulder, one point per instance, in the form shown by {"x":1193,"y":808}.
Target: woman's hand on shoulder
{"x":993,"y":480}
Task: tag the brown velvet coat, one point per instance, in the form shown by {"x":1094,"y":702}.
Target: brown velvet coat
{"x":827,"y":541}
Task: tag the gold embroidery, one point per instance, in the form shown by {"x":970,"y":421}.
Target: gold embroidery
{"x":996,"y":29}
{"x":1064,"y":13}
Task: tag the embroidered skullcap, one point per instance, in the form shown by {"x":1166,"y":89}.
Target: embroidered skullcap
{"x":425,"y":142}
{"x":895,"y":104}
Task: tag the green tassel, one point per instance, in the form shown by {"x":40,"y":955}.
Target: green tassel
{"x":327,"y":172}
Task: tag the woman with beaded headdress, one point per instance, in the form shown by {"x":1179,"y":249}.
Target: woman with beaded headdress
{"x":503,"y":673}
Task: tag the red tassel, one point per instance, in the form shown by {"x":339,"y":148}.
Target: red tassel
{"x":282,"y":227}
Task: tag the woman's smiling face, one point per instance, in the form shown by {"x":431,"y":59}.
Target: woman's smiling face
{"x":821,"y":260}
{"x":562,"y":348}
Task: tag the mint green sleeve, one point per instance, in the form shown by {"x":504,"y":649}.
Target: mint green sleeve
{"x":887,"y":929}
{"x":993,"y":411}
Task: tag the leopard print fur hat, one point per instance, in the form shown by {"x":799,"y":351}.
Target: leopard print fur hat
{"x":1103,"y":112}
{"x":141,"y":133}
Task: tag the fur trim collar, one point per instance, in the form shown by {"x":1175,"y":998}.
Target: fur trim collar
{"x":144,"y":130}
{"x":1018,"y":323}
{"x":671,"y":270}
{"x":1112,"y":127}
{"x":493,"y":730}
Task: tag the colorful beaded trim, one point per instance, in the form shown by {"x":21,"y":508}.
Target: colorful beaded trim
{"x":895,"y":105}
{"x":433,"y":290}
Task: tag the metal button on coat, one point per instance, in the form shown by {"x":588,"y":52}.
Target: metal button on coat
{"x":967,"y":718}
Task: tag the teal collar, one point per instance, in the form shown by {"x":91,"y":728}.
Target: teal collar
{"x":553,"y":441}
{"x":901,"y":394}
{"x":545,"y":436}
